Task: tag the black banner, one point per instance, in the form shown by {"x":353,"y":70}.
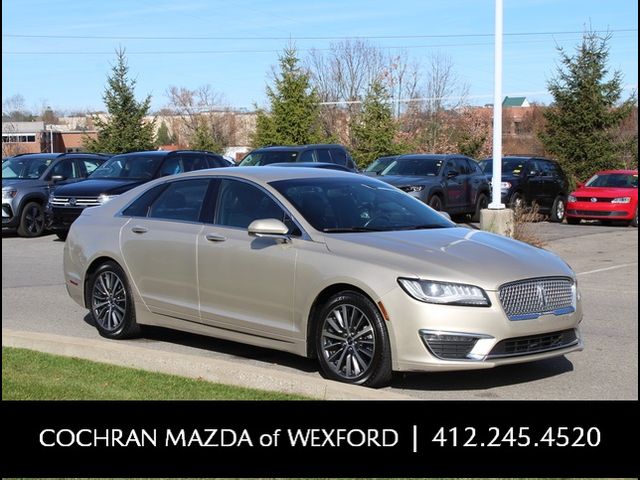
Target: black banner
{"x":319,"y":439}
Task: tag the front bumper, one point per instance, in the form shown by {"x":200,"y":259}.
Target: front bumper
{"x":494,"y":339}
{"x":9,"y":217}
{"x":62,"y":217}
{"x":601,"y":210}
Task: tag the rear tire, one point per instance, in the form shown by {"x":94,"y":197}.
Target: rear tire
{"x":573,"y":220}
{"x":352,"y":342}
{"x":481,"y":203}
{"x":32,"y":220}
{"x":435,"y":202}
{"x":558,"y":209}
{"x":111,"y":303}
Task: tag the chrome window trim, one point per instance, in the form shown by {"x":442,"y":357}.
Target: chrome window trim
{"x":304,"y":235}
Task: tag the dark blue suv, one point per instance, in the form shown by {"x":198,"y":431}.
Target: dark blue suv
{"x":529,"y":180}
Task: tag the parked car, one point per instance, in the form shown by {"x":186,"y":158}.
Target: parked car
{"x":453,"y":183}
{"x":529,"y":180}
{"x":120,"y":174}
{"x":326,"y":153}
{"x":28,"y":179}
{"x":608,"y":195}
{"x":329,"y":265}
{"x":323,"y":165}
{"x":378,"y":165}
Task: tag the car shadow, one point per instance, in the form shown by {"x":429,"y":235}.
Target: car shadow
{"x":483,"y":379}
{"x":425,"y":381}
{"x":151,"y":334}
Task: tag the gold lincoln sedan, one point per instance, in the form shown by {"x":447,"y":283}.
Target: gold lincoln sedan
{"x":324,"y":264}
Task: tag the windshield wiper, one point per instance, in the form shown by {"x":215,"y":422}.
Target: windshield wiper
{"x":420,"y":227}
{"x":352,"y":229}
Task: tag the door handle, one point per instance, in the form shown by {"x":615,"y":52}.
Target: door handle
{"x":214,"y":237}
{"x":138,"y":229}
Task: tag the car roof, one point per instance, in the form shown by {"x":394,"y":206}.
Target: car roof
{"x":428,"y":156}
{"x":268,"y":173}
{"x":324,"y":165}
{"x":296,"y":148}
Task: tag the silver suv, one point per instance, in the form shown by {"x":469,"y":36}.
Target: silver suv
{"x":28,"y":179}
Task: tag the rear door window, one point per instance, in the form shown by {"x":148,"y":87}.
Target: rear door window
{"x":339,"y":156}
{"x":306,"y":156}
{"x":181,"y":200}
{"x":322,"y":155}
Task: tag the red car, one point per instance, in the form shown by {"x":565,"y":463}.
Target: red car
{"x":607,"y":196}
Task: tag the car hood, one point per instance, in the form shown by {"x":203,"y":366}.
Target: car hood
{"x":451,"y":254}
{"x":400,"y":180}
{"x":98,"y":186}
{"x":605,"y":192}
{"x":23,"y":182}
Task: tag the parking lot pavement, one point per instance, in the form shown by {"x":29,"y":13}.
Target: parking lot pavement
{"x":606,"y":260}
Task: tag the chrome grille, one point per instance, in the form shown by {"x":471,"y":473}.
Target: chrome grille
{"x":529,"y":299}
{"x":79,"y":202}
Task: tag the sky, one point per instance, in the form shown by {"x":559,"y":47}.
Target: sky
{"x":58,"y":53}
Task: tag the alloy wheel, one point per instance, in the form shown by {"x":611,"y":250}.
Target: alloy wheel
{"x":109,"y":300}
{"x":34,"y":220}
{"x":348,"y":341}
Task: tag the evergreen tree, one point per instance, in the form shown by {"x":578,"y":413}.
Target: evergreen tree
{"x":373,"y":131}
{"x":163,"y":137}
{"x":203,"y":139}
{"x":125,"y":129}
{"x":583,"y":120}
{"x":294,"y":115}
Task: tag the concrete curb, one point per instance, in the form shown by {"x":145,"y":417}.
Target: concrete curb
{"x":193,"y":366}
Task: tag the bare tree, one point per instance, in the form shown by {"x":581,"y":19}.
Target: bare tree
{"x":201,"y":119}
{"x":13,"y":111}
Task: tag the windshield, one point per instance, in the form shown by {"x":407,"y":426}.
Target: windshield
{"x":25,"y":167}
{"x":256,"y":159}
{"x":420,"y":167}
{"x":338,"y":205}
{"x":380,"y":164}
{"x":614,"y":180}
{"x":125,"y":166}
{"x":510,"y":166}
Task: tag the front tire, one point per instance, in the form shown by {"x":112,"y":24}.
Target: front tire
{"x":32,"y":220}
{"x":481,"y":203}
{"x":634,"y":222}
{"x":62,"y":234}
{"x":111,"y":302}
{"x":435,"y":202}
{"x":558,"y":209}
{"x":352,"y":342}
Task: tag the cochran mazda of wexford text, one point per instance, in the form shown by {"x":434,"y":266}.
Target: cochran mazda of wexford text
{"x":321,"y":263}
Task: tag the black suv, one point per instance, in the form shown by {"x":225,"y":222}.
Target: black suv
{"x":28,"y":179}
{"x":120,"y":174}
{"x":452,"y":183}
{"x":327,"y":153}
{"x":529,"y":180}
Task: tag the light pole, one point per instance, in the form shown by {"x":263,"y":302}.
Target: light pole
{"x":51,"y":138}
{"x":496,"y":180}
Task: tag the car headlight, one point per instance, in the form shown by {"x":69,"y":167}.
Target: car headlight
{"x":446,"y":293}
{"x":572,"y":198}
{"x":413,"y":188}
{"x":621,"y":200}
{"x":104,"y":198}
{"x":8,"y":193}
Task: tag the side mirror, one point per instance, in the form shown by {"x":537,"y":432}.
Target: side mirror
{"x":269,"y":228}
{"x":445,"y":214}
{"x":580,"y":184}
{"x":58,"y":178}
{"x":452,"y":174}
